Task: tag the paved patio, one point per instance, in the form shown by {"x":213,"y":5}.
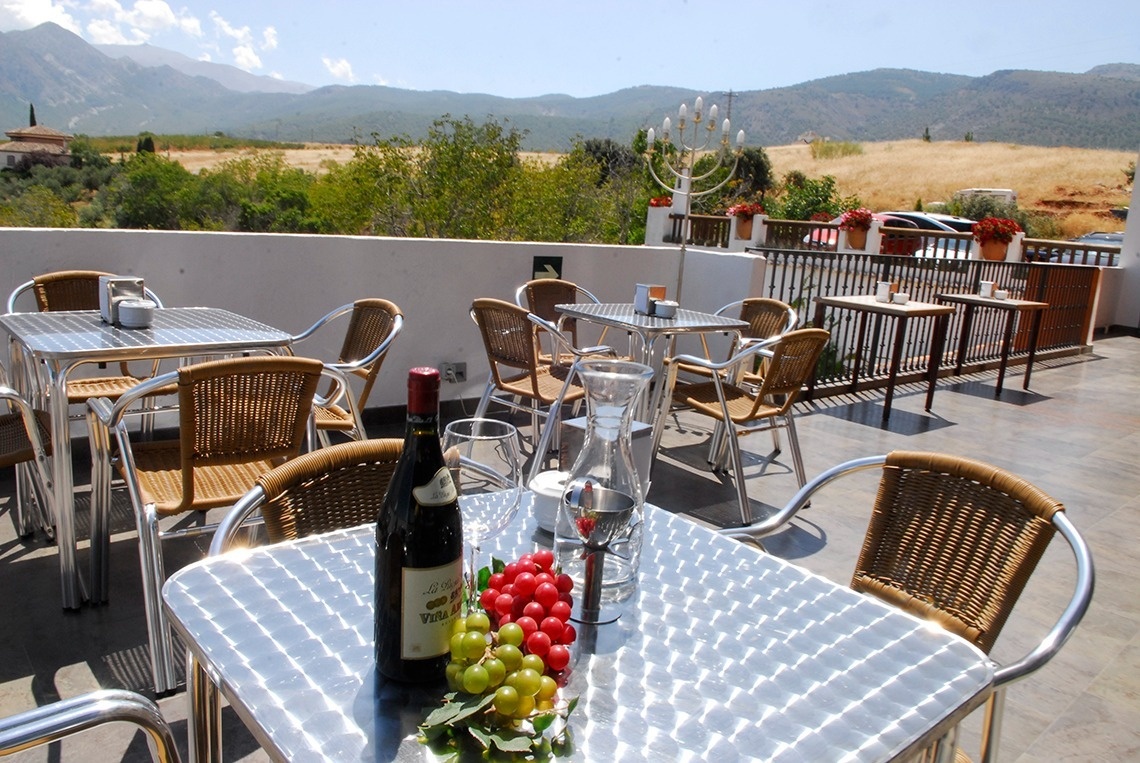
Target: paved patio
{"x":1076,"y":435}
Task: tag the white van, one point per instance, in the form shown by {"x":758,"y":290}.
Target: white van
{"x":1006,"y":195}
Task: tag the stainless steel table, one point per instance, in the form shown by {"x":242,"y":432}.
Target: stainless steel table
{"x":56,"y":343}
{"x":650,"y":330}
{"x":725,"y":653}
{"x":1012,"y":308}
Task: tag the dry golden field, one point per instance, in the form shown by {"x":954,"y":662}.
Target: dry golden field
{"x":1078,"y":186}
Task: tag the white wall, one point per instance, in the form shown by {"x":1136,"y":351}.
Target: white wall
{"x":1127,"y":307}
{"x":289,"y":281}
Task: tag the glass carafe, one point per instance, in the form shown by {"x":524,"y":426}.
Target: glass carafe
{"x":606,"y":465}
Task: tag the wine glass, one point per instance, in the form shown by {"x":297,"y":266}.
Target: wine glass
{"x":484,"y":458}
{"x":597,"y":515}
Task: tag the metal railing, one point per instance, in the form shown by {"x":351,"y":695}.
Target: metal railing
{"x":714,"y":230}
{"x":797,"y":276}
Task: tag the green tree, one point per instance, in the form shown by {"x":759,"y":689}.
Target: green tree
{"x":614,"y":158}
{"x":558,"y":202}
{"x":369,"y":195}
{"x":801,"y":197}
{"x":150,"y":193}
{"x":37,"y":207}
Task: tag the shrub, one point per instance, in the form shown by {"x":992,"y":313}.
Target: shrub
{"x":829,"y":149}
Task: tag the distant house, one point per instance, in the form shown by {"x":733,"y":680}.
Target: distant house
{"x":36,"y":139}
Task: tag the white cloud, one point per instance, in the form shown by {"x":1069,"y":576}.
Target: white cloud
{"x":25,"y":14}
{"x":339,"y":68}
{"x":269,"y":38}
{"x":246,"y":58}
{"x":241,"y":34}
{"x":104,"y":32}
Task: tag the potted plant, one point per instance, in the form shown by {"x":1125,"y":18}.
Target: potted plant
{"x":993,"y":235}
{"x":661,"y":201}
{"x":744,"y":212}
{"x":856,"y":222}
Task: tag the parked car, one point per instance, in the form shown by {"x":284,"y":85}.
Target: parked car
{"x":1080,"y":256}
{"x":828,"y":238}
{"x":936,"y":221}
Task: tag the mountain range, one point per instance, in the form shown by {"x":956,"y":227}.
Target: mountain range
{"x":126,"y":90}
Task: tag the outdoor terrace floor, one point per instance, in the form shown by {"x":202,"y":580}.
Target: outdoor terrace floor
{"x":1076,"y":435}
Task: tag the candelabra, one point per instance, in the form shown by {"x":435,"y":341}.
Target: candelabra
{"x":681,"y":164}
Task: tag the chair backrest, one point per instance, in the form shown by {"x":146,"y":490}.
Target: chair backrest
{"x":766,"y":317}
{"x":542,"y":294}
{"x":328,"y":489}
{"x":372,"y":322}
{"x":240,"y":410}
{"x":67,"y":290}
{"x":508,"y":336}
{"x":25,"y":434}
{"x":953,"y":540}
{"x":791,"y":366}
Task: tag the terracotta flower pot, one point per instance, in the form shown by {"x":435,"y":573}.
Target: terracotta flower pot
{"x":994,"y":250}
{"x":744,"y":227}
{"x":857,"y":238}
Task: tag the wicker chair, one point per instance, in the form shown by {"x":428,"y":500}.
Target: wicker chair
{"x":954,"y":541}
{"x":238,"y":419}
{"x":516,"y":370}
{"x":766,"y":318}
{"x":329,"y":489}
{"x":539,"y":296}
{"x":55,"y":721}
{"x":743,"y":408}
{"x":373,"y":326}
{"x":25,"y":437}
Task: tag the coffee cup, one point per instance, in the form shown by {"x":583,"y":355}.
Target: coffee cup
{"x":548,"y":488}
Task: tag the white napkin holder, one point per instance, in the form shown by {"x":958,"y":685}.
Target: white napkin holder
{"x":115,"y":289}
{"x":646,"y":296}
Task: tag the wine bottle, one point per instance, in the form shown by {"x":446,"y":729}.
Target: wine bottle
{"x":419,"y":548}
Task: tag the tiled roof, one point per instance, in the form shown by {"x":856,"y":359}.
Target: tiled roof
{"x":30,"y":147}
{"x":37,"y":131}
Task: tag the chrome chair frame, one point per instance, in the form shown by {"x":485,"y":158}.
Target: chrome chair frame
{"x":107,"y":424}
{"x":361,"y":367}
{"x":53,"y":722}
{"x":1004,"y":675}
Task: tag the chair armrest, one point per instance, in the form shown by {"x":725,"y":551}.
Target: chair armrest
{"x":367,"y":360}
{"x":564,"y":341}
{"x":50,"y":723}
{"x":234,"y":519}
{"x":114,"y":416}
{"x":769,"y":525}
{"x":1070,"y":617}
{"x":15,"y":295}
{"x":332,"y":315}
{"x":755,"y":347}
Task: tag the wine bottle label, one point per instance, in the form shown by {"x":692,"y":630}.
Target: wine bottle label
{"x":440,"y":491}
{"x":432,"y":599}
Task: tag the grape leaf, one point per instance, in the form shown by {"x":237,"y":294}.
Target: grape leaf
{"x":457,"y":707}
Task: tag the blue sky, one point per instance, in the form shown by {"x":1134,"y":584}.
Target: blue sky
{"x":593,"y":47}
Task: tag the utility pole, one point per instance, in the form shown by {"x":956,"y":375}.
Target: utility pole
{"x":730,"y":96}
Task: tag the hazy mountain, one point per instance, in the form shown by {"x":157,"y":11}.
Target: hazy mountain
{"x":79,"y":88}
{"x":227,"y":76}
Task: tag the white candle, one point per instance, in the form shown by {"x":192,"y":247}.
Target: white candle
{"x":649,"y":138}
{"x":697,"y":106}
{"x":740,"y":139}
{"x":712,"y":113}
{"x":684,"y":112}
{"x":665,"y":129}
{"x":725,"y":128}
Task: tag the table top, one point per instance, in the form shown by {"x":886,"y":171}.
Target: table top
{"x":724,"y":652}
{"x":622,"y":315}
{"x":82,"y":334}
{"x":867,"y":303}
{"x":1002,"y":304}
